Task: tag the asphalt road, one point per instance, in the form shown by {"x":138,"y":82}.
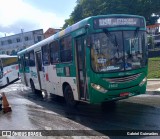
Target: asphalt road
{"x":36,"y":112}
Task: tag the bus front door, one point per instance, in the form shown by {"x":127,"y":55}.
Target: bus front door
{"x":81,"y":68}
{"x":40,"y":73}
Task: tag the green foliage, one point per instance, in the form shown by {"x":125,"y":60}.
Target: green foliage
{"x":86,"y":8}
{"x":154,"y":67}
{"x":68,"y":22}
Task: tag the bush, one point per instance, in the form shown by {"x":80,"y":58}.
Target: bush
{"x":154,"y":67}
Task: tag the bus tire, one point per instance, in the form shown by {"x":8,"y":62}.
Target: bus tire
{"x":69,"y":98}
{"x":18,"y":75}
{"x":7,"y":79}
{"x":32,"y":87}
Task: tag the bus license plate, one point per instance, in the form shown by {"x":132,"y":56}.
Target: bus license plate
{"x":124,"y":94}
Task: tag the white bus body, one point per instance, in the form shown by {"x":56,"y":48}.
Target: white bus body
{"x":9,"y":69}
{"x":42,"y":77}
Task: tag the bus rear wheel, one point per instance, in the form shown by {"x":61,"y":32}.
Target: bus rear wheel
{"x":32,"y":87}
{"x":68,"y":95}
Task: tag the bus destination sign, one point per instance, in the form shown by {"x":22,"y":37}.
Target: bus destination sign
{"x":113,"y":22}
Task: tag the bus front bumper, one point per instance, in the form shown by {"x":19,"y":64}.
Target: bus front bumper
{"x":97,"y":97}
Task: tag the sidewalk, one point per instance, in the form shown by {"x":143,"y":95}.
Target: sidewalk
{"x":153,"y":86}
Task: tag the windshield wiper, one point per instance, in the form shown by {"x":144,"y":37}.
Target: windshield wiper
{"x":135,"y":35}
{"x":136,"y":31}
{"x":111,"y":36}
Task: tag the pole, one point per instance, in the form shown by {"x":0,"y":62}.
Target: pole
{"x":23,"y":45}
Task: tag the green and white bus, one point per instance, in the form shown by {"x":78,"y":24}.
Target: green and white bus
{"x":101,"y":58}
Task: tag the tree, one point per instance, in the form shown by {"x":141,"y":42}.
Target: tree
{"x":13,"y":52}
{"x":150,"y":9}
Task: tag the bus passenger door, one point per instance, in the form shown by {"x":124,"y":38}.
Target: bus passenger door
{"x":81,"y":68}
{"x":22,"y":70}
{"x":40,"y":73}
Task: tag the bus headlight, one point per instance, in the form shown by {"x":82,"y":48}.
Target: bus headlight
{"x":99,"y":88}
{"x":143,"y":81}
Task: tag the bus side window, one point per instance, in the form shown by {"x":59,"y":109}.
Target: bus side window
{"x":66,"y":49}
{"x":26,"y":60}
{"x":21,"y":62}
{"x":54,"y":52}
{"x":45,"y":55}
{"x":31,"y":59}
{"x":9,"y":61}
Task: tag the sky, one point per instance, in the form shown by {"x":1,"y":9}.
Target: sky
{"x":33,"y":14}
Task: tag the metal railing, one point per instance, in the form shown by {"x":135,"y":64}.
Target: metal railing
{"x":153,"y":42}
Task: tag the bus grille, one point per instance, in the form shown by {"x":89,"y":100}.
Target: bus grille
{"x":123,"y":79}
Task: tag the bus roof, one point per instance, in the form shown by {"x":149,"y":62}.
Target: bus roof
{"x":57,"y":35}
{"x":6,"y":56}
{"x":70,"y":29}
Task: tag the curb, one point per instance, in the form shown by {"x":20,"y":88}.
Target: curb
{"x":153,"y":92}
{"x":153,"y":79}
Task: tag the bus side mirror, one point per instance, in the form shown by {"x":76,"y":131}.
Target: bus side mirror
{"x":88,"y":42}
{"x":87,"y":26}
{"x":147,"y":32}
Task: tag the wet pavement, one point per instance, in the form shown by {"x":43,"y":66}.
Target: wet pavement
{"x":36,"y":112}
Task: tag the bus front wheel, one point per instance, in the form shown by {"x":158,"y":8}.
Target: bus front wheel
{"x":68,"y":95}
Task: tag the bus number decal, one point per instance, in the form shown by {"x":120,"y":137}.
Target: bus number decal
{"x":113,"y":85}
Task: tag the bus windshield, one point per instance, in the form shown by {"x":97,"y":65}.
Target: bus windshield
{"x":118,"y":51}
